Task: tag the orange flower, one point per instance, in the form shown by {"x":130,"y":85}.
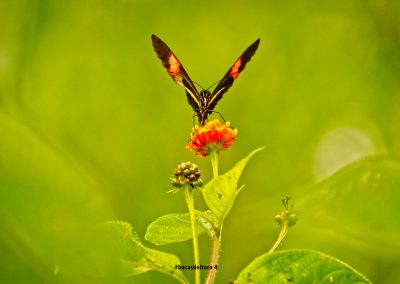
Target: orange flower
{"x":214,"y":136}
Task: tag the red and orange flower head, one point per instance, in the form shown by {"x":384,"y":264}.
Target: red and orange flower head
{"x":214,"y":136}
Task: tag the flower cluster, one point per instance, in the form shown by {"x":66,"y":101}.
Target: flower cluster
{"x":214,"y":136}
{"x":186,"y":173}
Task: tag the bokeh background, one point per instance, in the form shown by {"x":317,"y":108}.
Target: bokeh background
{"x":91,"y":127}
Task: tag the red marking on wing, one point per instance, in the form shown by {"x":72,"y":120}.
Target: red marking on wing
{"x":234,"y":73}
{"x":174,"y":66}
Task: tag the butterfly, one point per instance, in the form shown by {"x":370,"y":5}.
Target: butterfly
{"x":203,"y":102}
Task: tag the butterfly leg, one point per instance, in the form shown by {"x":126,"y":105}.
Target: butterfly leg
{"x":211,"y":111}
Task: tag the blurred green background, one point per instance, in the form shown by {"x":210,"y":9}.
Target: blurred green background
{"x":91,"y":127}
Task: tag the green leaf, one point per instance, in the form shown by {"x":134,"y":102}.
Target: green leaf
{"x":219,"y":194}
{"x":299,"y":266}
{"x":361,"y":198}
{"x":208,"y":220}
{"x":133,"y":257}
{"x":175,"y":228}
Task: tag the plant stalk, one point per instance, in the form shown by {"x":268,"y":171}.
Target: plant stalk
{"x":216,"y":243}
{"x":189,"y":201}
{"x":216,"y":239}
{"x":214,"y":163}
{"x":281,"y":236}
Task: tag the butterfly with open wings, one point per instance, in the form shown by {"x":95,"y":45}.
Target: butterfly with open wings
{"x":203,"y":102}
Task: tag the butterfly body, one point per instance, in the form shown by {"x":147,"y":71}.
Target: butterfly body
{"x":203,"y":111}
{"x":203,"y":102}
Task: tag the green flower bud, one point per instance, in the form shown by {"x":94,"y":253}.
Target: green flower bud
{"x":198,"y":183}
{"x":278,"y":218}
{"x":186,"y":173}
{"x":292,"y":219}
{"x":175,"y":182}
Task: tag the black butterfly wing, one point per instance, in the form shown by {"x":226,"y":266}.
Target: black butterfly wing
{"x":176,"y":71}
{"x":232,"y":74}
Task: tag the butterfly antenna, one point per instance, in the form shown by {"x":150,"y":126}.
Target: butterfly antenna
{"x":199,"y":85}
{"x":213,"y":84}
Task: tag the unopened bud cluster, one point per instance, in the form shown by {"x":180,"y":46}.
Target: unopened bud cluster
{"x":186,"y":173}
{"x":288,"y":216}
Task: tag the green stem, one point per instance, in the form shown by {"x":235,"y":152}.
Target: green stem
{"x":216,"y":239}
{"x":189,"y":201}
{"x":216,"y":243}
{"x":214,"y":163}
{"x":281,"y":236}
